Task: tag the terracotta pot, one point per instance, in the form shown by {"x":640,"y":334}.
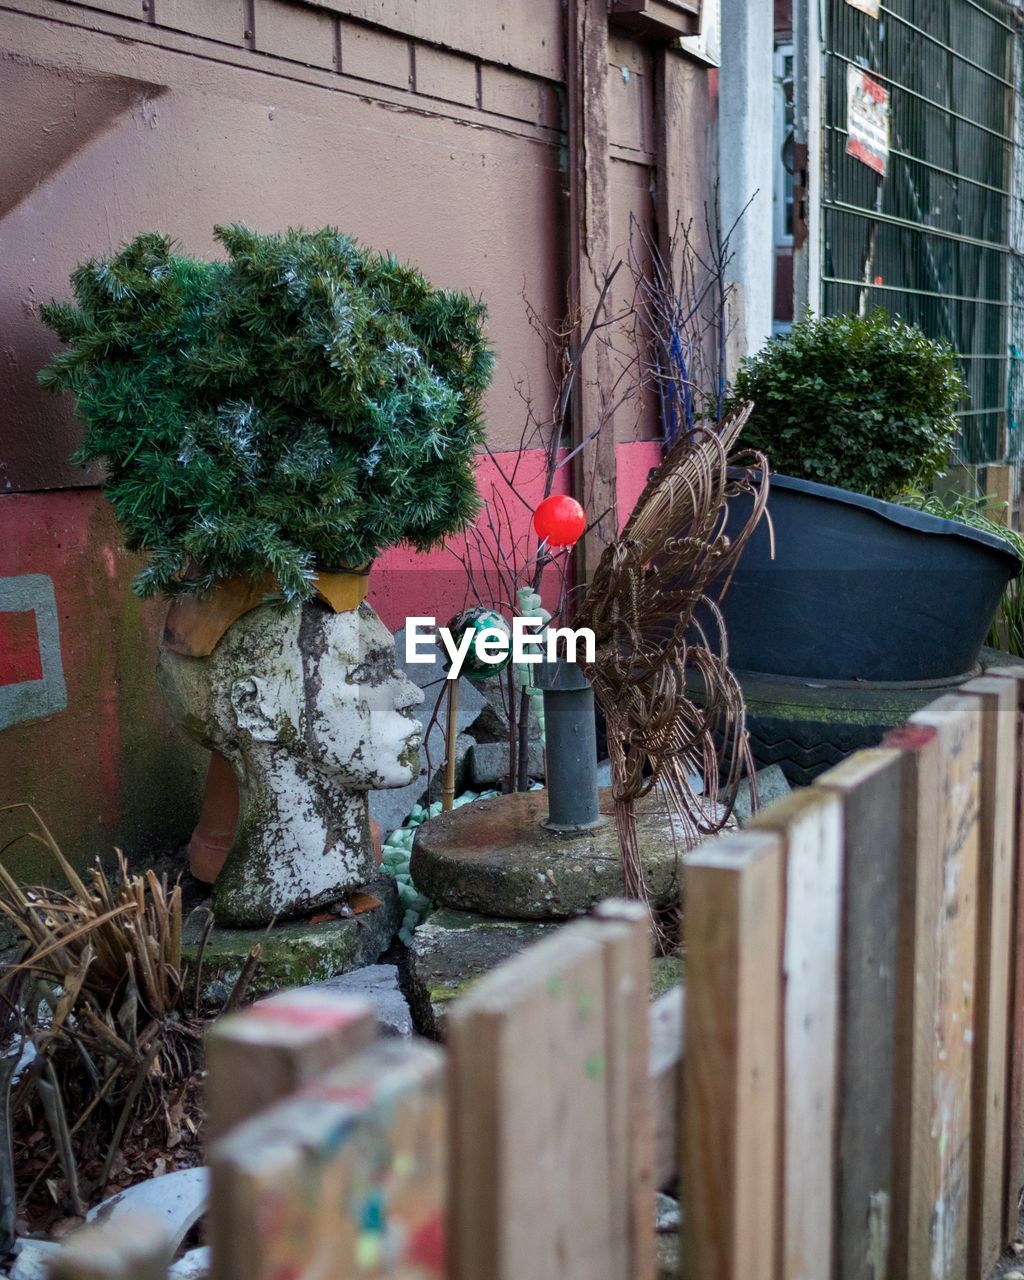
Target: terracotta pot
{"x":218,"y":819}
{"x":195,"y":624}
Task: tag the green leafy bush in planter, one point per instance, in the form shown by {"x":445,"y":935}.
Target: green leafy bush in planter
{"x":304,"y":402}
{"x":862,"y":402}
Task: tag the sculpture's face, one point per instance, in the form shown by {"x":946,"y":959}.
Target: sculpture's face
{"x":323,"y":687}
{"x":360,"y":719}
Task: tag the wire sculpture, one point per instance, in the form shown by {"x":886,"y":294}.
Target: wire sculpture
{"x":652,"y":605}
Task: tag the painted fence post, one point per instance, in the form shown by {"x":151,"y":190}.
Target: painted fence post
{"x":276,"y":1046}
{"x":1014,"y":1175}
{"x":993,"y":985}
{"x":623,"y":931}
{"x":540,"y":1144}
{"x":346,"y":1177}
{"x":810,"y":824}
{"x":870,"y":788}
{"x":935,"y":988}
{"x":135,"y":1247}
{"x":729,"y":1132}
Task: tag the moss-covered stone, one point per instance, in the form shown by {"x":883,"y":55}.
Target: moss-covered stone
{"x":666,"y":972}
{"x":669,"y":1258}
{"x":450,"y":950}
{"x":294,"y":955}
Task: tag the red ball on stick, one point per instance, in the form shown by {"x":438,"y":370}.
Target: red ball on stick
{"x":559,"y":521}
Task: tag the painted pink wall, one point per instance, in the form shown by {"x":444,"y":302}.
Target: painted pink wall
{"x":435,"y":585}
{"x":83,"y":728}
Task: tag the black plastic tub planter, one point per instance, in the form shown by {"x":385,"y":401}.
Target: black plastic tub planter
{"x":861,"y":589}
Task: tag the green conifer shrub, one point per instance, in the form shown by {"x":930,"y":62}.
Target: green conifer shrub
{"x":863,"y":402}
{"x":304,"y":403}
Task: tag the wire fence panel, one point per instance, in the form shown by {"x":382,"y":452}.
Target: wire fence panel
{"x":930,"y":239}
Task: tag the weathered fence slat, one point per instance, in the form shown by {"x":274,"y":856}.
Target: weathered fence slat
{"x":665,"y":1071}
{"x":1014,"y":1175}
{"x":347,"y":1177}
{"x":810,"y":823}
{"x":993,"y":975}
{"x":531,"y":1119}
{"x":623,"y":931}
{"x":729,"y":1132}
{"x":935,"y":989}
{"x":135,"y":1247}
{"x":870,"y":786}
{"x":276,"y":1046}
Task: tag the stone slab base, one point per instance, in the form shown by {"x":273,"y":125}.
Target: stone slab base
{"x":495,"y":858}
{"x":296,"y":954}
{"x":772,"y":785}
{"x":378,"y":983}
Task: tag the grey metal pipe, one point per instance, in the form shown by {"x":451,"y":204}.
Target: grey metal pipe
{"x":571,"y":749}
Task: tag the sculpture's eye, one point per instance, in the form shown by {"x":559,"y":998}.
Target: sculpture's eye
{"x":377,"y":668}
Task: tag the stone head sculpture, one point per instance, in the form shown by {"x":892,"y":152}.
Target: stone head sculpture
{"x":309,"y":710}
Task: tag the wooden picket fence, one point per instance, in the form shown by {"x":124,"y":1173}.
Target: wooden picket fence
{"x":837,"y":1090}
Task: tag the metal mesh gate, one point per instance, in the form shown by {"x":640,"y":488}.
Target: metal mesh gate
{"x":929,"y":240}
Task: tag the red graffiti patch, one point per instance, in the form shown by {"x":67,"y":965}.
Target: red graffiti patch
{"x":305,"y":1015}
{"x":356,"y":1095}
{"x":20,"y":659}
{"x":426,"y":1248}
{"x":910,"y":737}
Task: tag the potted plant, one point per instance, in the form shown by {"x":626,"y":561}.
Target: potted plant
{"x":854,"y":414}
{"x":269,"y":423}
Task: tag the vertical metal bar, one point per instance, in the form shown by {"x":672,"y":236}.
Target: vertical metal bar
{"x":808,"y":76}
{"x":571,"y":750}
